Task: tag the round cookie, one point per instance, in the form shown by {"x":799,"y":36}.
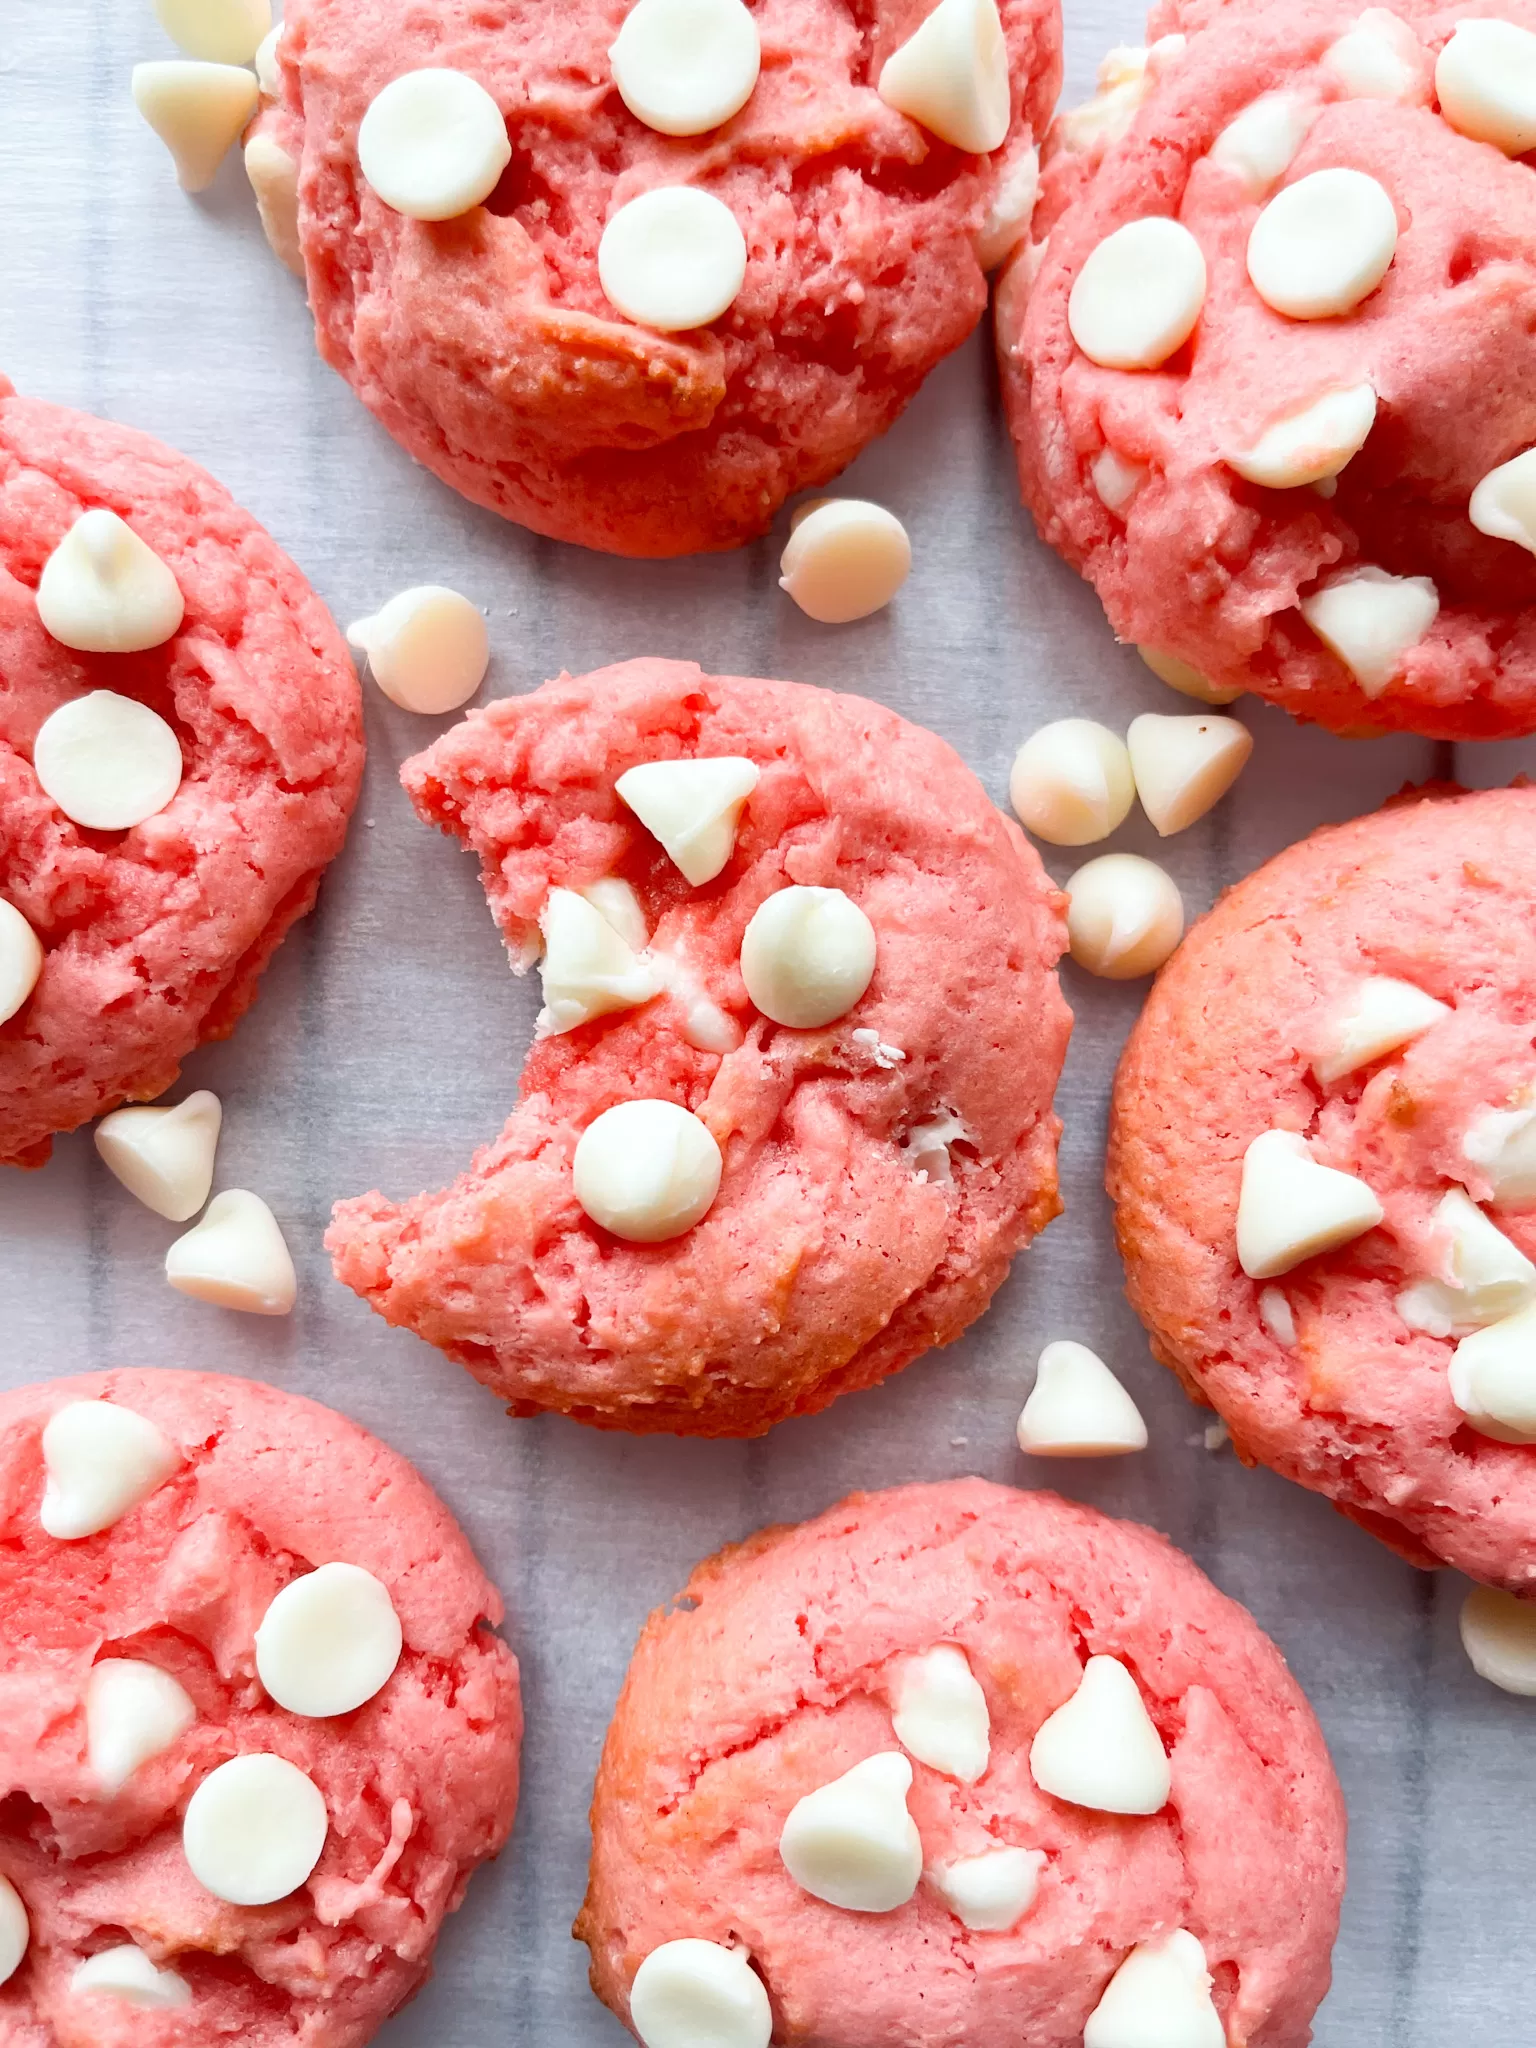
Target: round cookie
{"x":802,"y":1653}
{"x":486,"y":343}
{"x":129,"y":1677}
{"x":154,"y":937}
{"x":1344,"y":1369}
{"x":879,"y":1172}
{"x":1364,"y":597}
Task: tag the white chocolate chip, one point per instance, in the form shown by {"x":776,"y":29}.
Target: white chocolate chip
{"x":1493,"y":1378}
{"x":939,"y":1712}
{"x":1323,"y":244}
{"x":807,"y":956}
{"x":1125,"y":77}
{"x":198,"y":111}
{"x":588,"y":970}
{"x":704,"y":1024}
{"x":21,"y":960}
{"x":1485,"y":79}
{"x":254,"y":1830}
{"x":1188,"y":681}
{"x":844,"y":559}
{"x":1485,"y":1276}
{"x":883,"y":1055}
{"x":1160,"y":1997}
{"x":852,"y":1842}
{"x":929,"y":1145}
{"x":1115,"y":480}
{"x":673,"y":259}
{"x":1071,"y":782}
{"x":1504,"y":503}
{"x":268,"y":77}
{"x":274,"y":178}
{"x":952,"y":76}
{"x":105,"y":591}
{"x":100,"y":1460}
{"x":1124,"y":916}
{"x":696,"y":1994}
{"x":1311,"y":445}
{"x":1498,"y":1633}
{"x":1370,"y":619}
{"x":1137,"y":297}
{"x":15,"y":1931}
{"x":618,"y":903}
{"x":1380,"y":58}
{"x":1078,"y":1409}
{"x":1503,"y":1143}
{"x":1277,"y":1316}
{"x":646,"y":1170}
{"x":128,"y":1975}
{"x":427,"y":648}
{"x":1100,"y":1749}
{"x":992,"y":1892}
{"x":1183,"y":766}
{"x":685,"y":66}
{"x":133,"y":1711}
{"x":164,"y":1156}
{"x":1258,"y":145}
{"x":1010,"y":209}
{"x":235,"y":1258}
{"x":1291,"y":1207}
{"x":108,"y":762}
{"x":328,"y":1642}
{"x":1379,"y":1015}
{"x":433,"y":143}
{"x":692,"y":807}
{"x":219,"y":31}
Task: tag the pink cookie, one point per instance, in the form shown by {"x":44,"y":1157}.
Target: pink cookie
{"x":485,"y":344}
{"x":1337,"y":1369}
{"x":1213,"y":498}
{"x":155,"y":937}
{"x":779,"y":1670}
{"x":240,"y":1491}
{"x":879,"y":1173}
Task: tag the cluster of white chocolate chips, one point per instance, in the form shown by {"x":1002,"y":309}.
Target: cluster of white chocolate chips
{"x":255,"y":1827}
{"x":852,"y":1843}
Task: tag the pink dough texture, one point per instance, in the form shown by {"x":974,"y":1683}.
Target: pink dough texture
{"x":155,"y":938}
{"x":1439,"y":890}
{"x":420,"y":1783}
{"x":1205,"y":566}
{"x":828,"y":1260}
{"x":485,"y":344}
{"x":772,"y":1676}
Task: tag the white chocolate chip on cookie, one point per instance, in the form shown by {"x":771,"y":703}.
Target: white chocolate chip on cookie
{"x":1380,"y":58}
{"x":1137,"y":297}
{"x":673,"y":259}
{"x":939,"y":1712}
{"x":1503,"y":1143}
{"x":1379,"y":1015}
{"x":1504,"y":503}
{"x":127,"y":1974}
{"x":1160,"y":1997}
{"x":588,"y":969}
{"x":1258,"y":144}
{"x":1100,"y":1748}
{"x":685,"y":66}
{"x":807,"y":956}
{"x":698,"y":1994}
{"x":1484,"y":1275}
{"x":108,"y":762}
{"x":1370,"y":620}
{"x":133,"y":1712}
{"x":21,"y":960}
{"x":1493,"y":1378}
{"x":15,"y":1930}
{"x":1485,"y":80}
{"x":852,"y":1842}
{"x":991,"y":1892}
{"x":1291,"y":1207}
{"x":433,"y":143}
{"x":951,"y":76}
{"x":197,"y":110}
{"x":254,"y":1829}
{"x":646,"y":1170}
{"x":1312,"y":444}
{"x":1323,"y":244}
{"x":329,"y":1641}
{"x":274,"y":178}
{"x":692,"y":806}
{"x":99,"y":1461}
{"x":103,"y":590}
{"x":1071,"y":782}
{"x":268,"y":76}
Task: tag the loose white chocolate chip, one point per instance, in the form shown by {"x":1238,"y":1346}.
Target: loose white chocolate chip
{"x":1485,"y":79}
{"x":198,"y":111}
{"x":128,"y":1975}
{"x":939,"y":1712}
{"x":852,"y":1842}
{"x":692,"y":807}
{"x":1485,"y":1277}
{"x":1124,"y":916}
{"x":133,"y":1711}
{"x":100,"y":1460}
{"x":1257,"y":147}
{"x":1311,"y":445}
{"x":929,"y":1145}
{"x":268,"y":78}
{"x":1380,"y":58}
{"x":1493,"y":1378}
{"x":952,"y":76}
{"x":164,"y":1156}
{"x":1277,"y":1316}
{"x":1078,"y":1409}
{"x":1071,"y":782}
{"x":105,"y":591}
{"x":235,"y":1258}
{"x":1188,"y":681}
{"x":588,"y":970}
{"x":696,"y":1994}
{"x":274,"y":178}
{"x":619,"y":904}
{"x":1504,"y":503}
{"x":1137,"y":297}
{"x":673,"y":259}
{"x":684,"y":66}
{"x":1498,"y":1633}
{"x":1183,"y":766}
{"x":328,"y":1642}
{"x":1010,"y":209}
{"x":427,"y":648}
{"x":219,"y":31}
{"x":646,"y":1170}
{"x":1370,"y":619}
{"x":433,"y":144}
{"x":107,"y":761}
{"x":845,"y":559}
{"x":1379,"y":1015}
{"x":1100,"y":1748}
{"x":253,"y":1830}
{"x":1323,"y":244}
{"x":807,"y":956}
{"x":21,"y":960}
{"x":1291,"y":1208}
{"x":1115,"y":480}
{"x":1503,"y":1143}
{"x":1160,"y":1997}
{"x":992,"y":1892}
{"x":15,"y":1930}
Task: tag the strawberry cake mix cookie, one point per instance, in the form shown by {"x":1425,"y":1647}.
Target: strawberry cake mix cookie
{"x":632,"y":271}
{"x":256,"y":1731}
{"x":787,"y":1117}
{"x":963,"y":1766}
{"x":180,"y":748}
{"x":1271,"y":373}
{"x":1323,"y":1159}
